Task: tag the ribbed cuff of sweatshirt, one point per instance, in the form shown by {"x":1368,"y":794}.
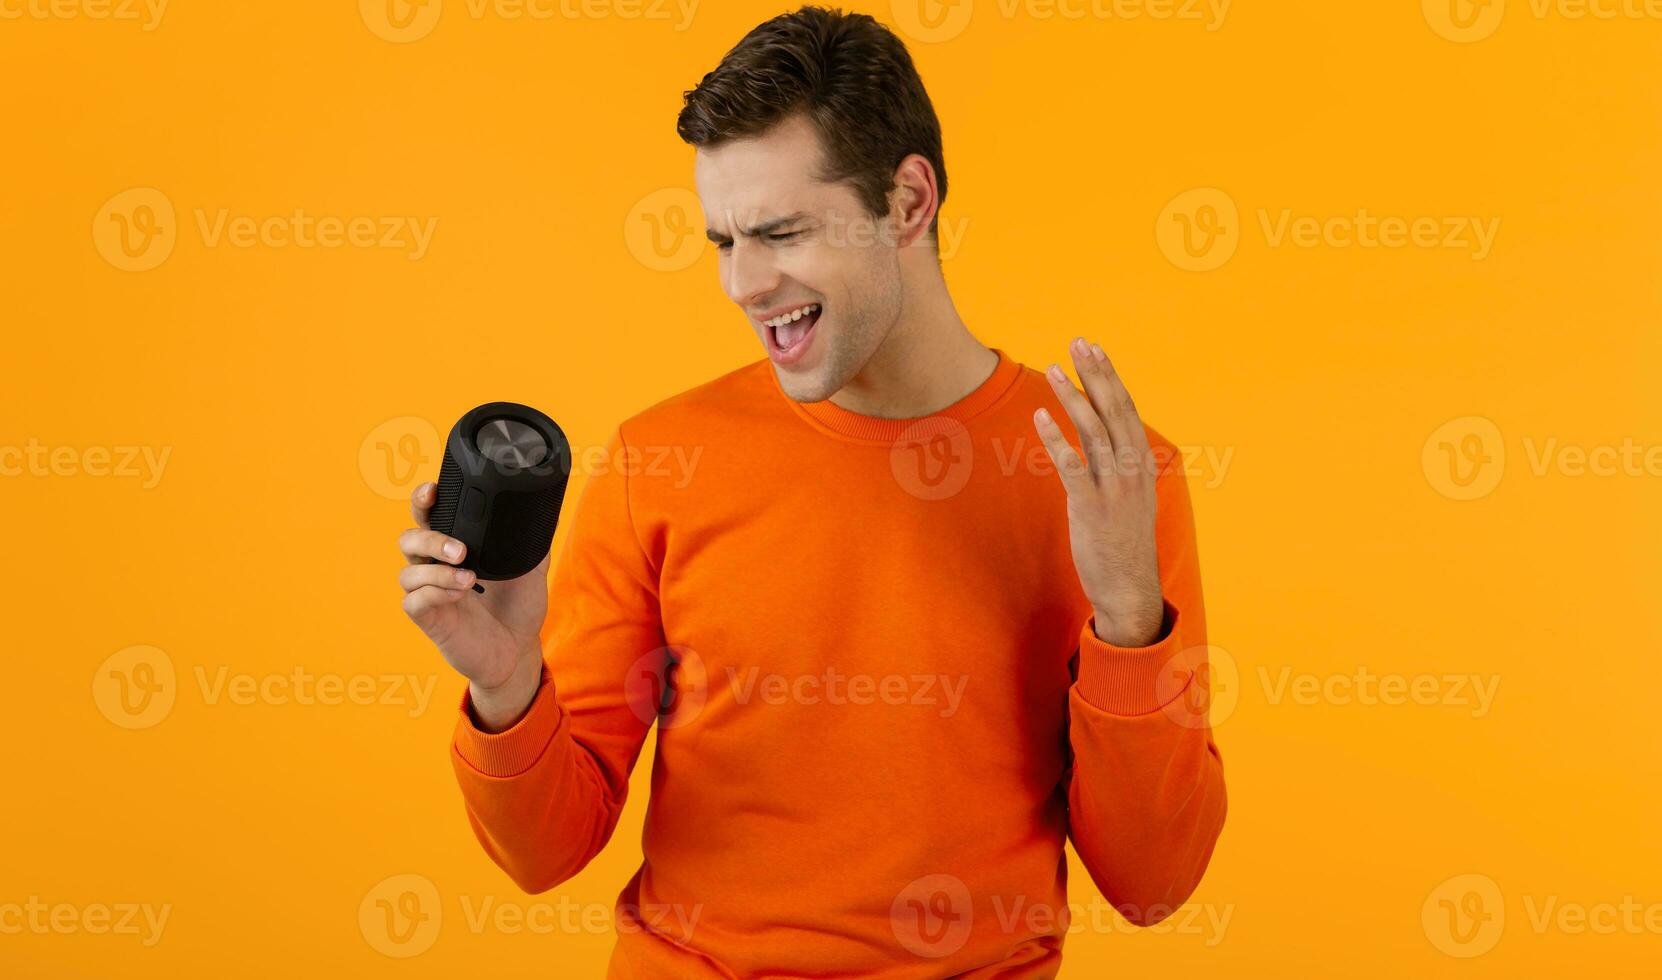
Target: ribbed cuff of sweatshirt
{"x":512,"y":751}
{"x":1126,"y":680}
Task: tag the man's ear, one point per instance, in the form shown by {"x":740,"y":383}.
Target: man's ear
{"x":913,"y":201}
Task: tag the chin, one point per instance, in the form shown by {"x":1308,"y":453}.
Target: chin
{"x":804,"y":386}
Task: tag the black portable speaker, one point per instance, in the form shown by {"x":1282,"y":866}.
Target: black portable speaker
{"x":500,"y":488}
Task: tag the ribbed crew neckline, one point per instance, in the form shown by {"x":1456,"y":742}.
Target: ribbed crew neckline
{"x":853,"y":425}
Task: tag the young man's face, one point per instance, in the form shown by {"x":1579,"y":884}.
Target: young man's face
{"x":789,"y":242}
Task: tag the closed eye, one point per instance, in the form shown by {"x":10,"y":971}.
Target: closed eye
{"x":776,"y":238}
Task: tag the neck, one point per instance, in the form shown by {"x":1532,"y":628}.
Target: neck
{"x":929,"y":359}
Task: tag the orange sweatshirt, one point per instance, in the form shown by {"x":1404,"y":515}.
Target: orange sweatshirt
{"x":880,"y":699}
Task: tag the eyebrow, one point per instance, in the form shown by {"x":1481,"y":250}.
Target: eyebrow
{"x":761,"y":229}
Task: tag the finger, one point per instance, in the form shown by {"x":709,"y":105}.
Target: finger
{"x":1098,"y":387}
{"x":413,"y":577}
{"x":1125,"y":426}
{"x":429,"y":597}
{"x":421,"y":503}
{"x":1076,"y":476}
{"x":1094,"y":440}
{"x":421,"y":545}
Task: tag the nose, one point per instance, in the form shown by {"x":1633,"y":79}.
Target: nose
{"x":750,"y":273}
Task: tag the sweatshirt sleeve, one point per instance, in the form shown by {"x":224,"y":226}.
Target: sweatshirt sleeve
{"x":544,"y":796}
{"x":1146,"y":795}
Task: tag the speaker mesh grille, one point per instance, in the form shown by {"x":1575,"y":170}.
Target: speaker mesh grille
{"x":443,"y":515}
{"x":520,"y":530}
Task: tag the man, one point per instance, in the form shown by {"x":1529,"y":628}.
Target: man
{"x":896,"y":652}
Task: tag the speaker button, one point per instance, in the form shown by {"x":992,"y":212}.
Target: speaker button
{"x":473,"y":505}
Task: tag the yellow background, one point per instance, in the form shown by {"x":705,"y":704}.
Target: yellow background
{"x":1331,"y":544}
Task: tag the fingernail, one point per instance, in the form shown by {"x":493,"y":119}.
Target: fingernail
{"x":1056,"y":374}
{"x":1097,"y":350}
{"x":453,"y":549}
{"x":463,"y":578}
{"x":1043,"y":415}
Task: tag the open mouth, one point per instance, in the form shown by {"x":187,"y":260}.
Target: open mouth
{"x":789,"y":333}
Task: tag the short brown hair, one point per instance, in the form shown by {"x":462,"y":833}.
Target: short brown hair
{"x":849,"y":74}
